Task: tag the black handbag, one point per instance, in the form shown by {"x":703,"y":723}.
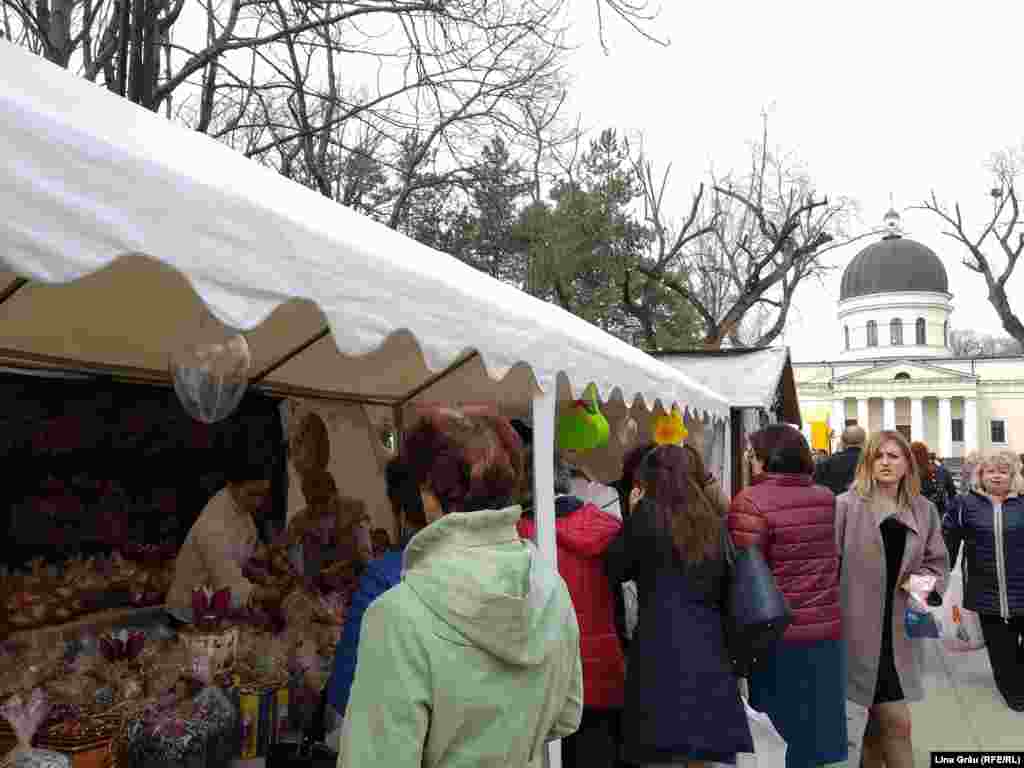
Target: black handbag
{"x":310,"y":752}
{"x":756,"y":614}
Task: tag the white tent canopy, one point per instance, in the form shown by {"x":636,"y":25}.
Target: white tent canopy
{"x":748,"y":378}
{"x":120,"y":232}
{"x":145,"y":216}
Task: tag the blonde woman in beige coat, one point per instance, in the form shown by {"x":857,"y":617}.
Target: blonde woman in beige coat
{"x":887,"y":532}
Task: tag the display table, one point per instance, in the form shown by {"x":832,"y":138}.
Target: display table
{"x":97,"y":623}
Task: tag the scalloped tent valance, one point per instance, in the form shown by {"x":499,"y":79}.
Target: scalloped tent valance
{"x":122,"y":222}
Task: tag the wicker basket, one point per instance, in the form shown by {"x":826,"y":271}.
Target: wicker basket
{"x":89,"y":749}
{"x":221,"y":646}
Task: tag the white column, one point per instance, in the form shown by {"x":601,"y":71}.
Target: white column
{"x":916,"y":418}
{"x":543,"y":407}
{"x":838,"y":418}
{"x":970,"y":425}
{"x":862,"y":413}
{"x":945,"y":428}
{"x":889,"y":413}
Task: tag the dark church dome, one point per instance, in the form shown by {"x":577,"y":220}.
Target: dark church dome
{"x":895,"y":263}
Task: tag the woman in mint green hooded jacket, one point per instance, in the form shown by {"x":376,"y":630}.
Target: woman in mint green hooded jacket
{"x":473,"y":660}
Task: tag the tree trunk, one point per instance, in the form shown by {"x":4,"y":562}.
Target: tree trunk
{"x":135,"y":81}
{"x":1011,"y":323}
{"x":60,"y":45}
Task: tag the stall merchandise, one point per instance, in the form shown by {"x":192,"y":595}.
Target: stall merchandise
{"x":24,"y":716}
{"x":41,"y":598}
{"x":334,"y":305}
{"x":95,"y":466}
{"x":198,"y":732}
{"x":140,"y":701}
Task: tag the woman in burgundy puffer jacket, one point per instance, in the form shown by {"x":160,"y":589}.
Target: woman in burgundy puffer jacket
{"x":583,"y":532}
{"x":802,"y":684}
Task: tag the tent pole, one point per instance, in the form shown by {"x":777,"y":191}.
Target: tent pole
{"x":16,"y":358}
{"x":544,"y":500}
{"x":306,"y":393}
{"x":399,"y":418}
{"x":432,"y":380}
{"x":15,"y":285}
{"x":544,"y":472}
{"x":321,"y":334}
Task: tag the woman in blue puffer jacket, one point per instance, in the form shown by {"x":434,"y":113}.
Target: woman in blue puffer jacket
{"x":989,"y":521}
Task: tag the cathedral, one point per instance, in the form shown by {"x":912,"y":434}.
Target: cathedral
{"x":895,"y":368}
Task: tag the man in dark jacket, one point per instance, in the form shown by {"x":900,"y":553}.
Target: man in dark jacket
{"x":944,"y":479}
{"x":837,"y":471}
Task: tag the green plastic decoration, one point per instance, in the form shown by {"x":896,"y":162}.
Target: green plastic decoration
{"x":582,"y":427}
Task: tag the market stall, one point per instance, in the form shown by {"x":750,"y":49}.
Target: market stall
{"x":760,"y":388}
{"x":127,"y":239}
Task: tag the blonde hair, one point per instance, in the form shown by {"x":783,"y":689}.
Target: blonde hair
{"x":999,"y":458}
{"x":864,"y":480}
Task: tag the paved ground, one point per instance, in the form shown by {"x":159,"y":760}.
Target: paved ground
{"x":962,"y":708}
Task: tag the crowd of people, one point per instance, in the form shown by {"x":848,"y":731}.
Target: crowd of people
{"x":464,"y":646}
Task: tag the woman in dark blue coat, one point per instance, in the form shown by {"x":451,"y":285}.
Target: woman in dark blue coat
{"x":682,"y":699}
{"x":989,"y":521}
{"x":380,"y":575}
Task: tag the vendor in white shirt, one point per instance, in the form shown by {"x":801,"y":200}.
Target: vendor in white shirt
{"x":222,"y":539}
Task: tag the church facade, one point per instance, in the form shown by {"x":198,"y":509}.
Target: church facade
{"x":896,"y":370}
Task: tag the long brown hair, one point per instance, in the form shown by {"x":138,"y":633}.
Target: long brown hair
{"x":925,"y":468}
{"x":630,"y":468}
{"x":667,"y":473}
{"x":864,"y":479}
{"x":698,"y":470}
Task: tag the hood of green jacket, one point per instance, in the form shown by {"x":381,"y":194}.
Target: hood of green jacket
{"x":476,"y":575}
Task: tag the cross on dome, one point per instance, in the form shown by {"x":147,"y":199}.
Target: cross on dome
{"x":892,"y":221}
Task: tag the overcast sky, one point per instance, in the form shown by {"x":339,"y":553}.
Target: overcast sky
{"x":873,"y":98}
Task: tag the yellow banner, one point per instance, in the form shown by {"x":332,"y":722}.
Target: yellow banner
{"x":819,"y":436}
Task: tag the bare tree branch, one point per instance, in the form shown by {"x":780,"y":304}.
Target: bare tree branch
{"x":1003,"y":228}
{"x":747,"y":247}
{"x":635,"y":14}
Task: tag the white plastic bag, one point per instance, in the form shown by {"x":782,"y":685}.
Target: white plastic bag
{"x":856,"y":724}
{"x":961,"y":628}
{"x":632,"y":605}
{"x":769,"y":746}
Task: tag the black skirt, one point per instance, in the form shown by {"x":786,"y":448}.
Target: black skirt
{"x":894,"y":539}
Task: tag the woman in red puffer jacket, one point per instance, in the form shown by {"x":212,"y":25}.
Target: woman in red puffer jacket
{"x":801,"y":685}
{"x":583,"y":533}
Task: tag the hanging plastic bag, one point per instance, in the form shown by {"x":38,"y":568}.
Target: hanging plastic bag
{"x":632,"y":607}
{"x":918,"y":618}
{"x":961,"y":628}
{"x":211,"y":375}
{"x":769,"y":746}
{"x":856,"y":725}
